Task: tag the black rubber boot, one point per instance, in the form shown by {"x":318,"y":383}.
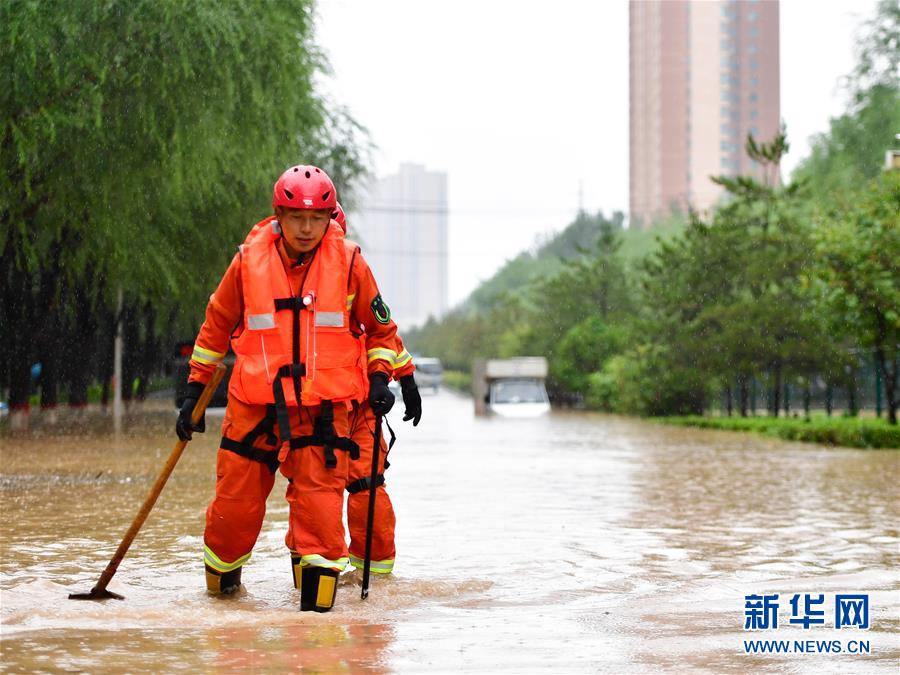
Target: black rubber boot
{"x":318,"y":586}
{"x":223,"y":583}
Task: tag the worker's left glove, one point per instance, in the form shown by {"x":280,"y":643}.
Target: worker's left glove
{"x":183,"y":427}
{"x":380,"y":397}
{"x":411,"y":399}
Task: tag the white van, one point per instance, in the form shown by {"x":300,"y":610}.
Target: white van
{"x":525,"y":397}
{"x":429,"y":373}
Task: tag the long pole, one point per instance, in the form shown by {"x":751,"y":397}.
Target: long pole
{"x":99,"y":592}
{"x":370,"y":520}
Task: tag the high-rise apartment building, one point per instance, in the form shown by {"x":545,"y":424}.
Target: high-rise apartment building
{"x":703,"y":75}
{"x":402,"y":222}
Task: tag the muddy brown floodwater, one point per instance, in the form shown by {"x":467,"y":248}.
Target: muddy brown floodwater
{"x":574,"y":542}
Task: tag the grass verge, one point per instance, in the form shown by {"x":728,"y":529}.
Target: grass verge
{"x":852,"y":432}
{"x":456,"y":379}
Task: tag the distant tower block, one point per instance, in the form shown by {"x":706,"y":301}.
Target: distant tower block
{"x":403,"y":225}
{"x":702,"y":76}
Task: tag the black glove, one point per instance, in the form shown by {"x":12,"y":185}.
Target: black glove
{"x":183,"y":426}
{"x":380,"y":397}
{"x":411,"y":399}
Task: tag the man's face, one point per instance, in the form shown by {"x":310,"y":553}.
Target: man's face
{"x":303,"y":229}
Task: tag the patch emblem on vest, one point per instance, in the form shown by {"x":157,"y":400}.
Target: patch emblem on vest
{"x":381,"y":311}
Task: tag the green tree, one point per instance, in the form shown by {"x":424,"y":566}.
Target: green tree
{"x":860,"y":268}
{"x":139,"y":142}
{"x":852,"y":150}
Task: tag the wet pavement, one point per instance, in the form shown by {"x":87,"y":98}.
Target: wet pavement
{"x":574,"y":542}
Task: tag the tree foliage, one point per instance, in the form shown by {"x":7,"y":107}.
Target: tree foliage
{"x":139,"y":142}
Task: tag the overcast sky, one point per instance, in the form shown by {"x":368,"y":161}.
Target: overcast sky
{"x":525,"y":104}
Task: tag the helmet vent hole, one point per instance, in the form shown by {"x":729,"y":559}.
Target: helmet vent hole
{"x":308,"y":174}
{"x":296,"y":169}
{"x":325,"y":196}
{"x":317,"y":171}
{"x":288,"y":194}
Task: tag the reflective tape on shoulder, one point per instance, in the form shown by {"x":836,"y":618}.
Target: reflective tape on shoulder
{"x":203,"y":355}
{"x":260,"y":321}
{"x":218,"y":564}
{"x":330,"y":319}
{"x":382,"y":353}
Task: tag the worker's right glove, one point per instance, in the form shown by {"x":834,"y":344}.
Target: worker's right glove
{"x":411,"y":399}
{"x":184,"y":427}
{"x":380,"y":397}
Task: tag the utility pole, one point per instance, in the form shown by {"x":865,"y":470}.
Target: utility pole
{"x":117,"y":368}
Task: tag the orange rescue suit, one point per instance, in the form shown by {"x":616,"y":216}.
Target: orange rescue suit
{"x":344,"y":291}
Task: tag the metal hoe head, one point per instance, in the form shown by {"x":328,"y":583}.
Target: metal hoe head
{"x":96,"y":594}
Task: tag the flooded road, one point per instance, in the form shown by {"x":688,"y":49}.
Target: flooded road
{"x":571,"y":543}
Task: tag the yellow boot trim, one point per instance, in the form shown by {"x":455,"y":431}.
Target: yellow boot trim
{"x":213,"y":582}
{"x":326,"y":591}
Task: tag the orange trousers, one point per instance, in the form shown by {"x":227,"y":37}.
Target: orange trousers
{"x":383,"y":550}
{"x":315,"y":493}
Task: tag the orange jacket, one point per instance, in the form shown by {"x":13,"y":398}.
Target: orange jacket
{"x":226,"y":311}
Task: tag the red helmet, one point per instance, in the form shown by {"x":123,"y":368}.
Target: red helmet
{"x":339,"y":217}
{"x":304,"y":187}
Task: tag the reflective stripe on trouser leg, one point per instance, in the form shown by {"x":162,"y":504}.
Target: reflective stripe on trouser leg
{"x":375,"y":566}
{"x":218,"y":564}
{"x":383,"y":548}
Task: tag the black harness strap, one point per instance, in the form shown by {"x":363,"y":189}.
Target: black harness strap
{"x":325,"y":436}
{"x":361,"y":484}
{"x":294,"y":371}
{"x":393,"y":440}
{"x":295,"y":305}
{"x":267,"y":457}
{"x":245,"y":448}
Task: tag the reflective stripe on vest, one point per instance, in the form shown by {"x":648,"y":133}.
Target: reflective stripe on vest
{"x":333,"y":364}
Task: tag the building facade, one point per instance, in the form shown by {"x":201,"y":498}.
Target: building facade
{"x":703,"y":75}
{"x":402,"y":226}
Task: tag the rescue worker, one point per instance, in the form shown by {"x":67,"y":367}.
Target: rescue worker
{"x":358,"y":479}
{"x":287,"y":303}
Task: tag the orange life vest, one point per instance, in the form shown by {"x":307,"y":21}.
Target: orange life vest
{"x":288,"y":340}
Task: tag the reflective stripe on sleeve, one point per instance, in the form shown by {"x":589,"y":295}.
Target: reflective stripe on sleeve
{"x":382,"y":353}
{"x":315,"y":560}
{"x":217,"y":564}
{"x":376,"y":566}
{"x":402,"y":359}
{"x":203,"y":355}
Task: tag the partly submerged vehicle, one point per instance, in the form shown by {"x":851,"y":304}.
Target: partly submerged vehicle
{"x":519,"y":398}
{"x":429,"y":373}
{"x":511,"y":387}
